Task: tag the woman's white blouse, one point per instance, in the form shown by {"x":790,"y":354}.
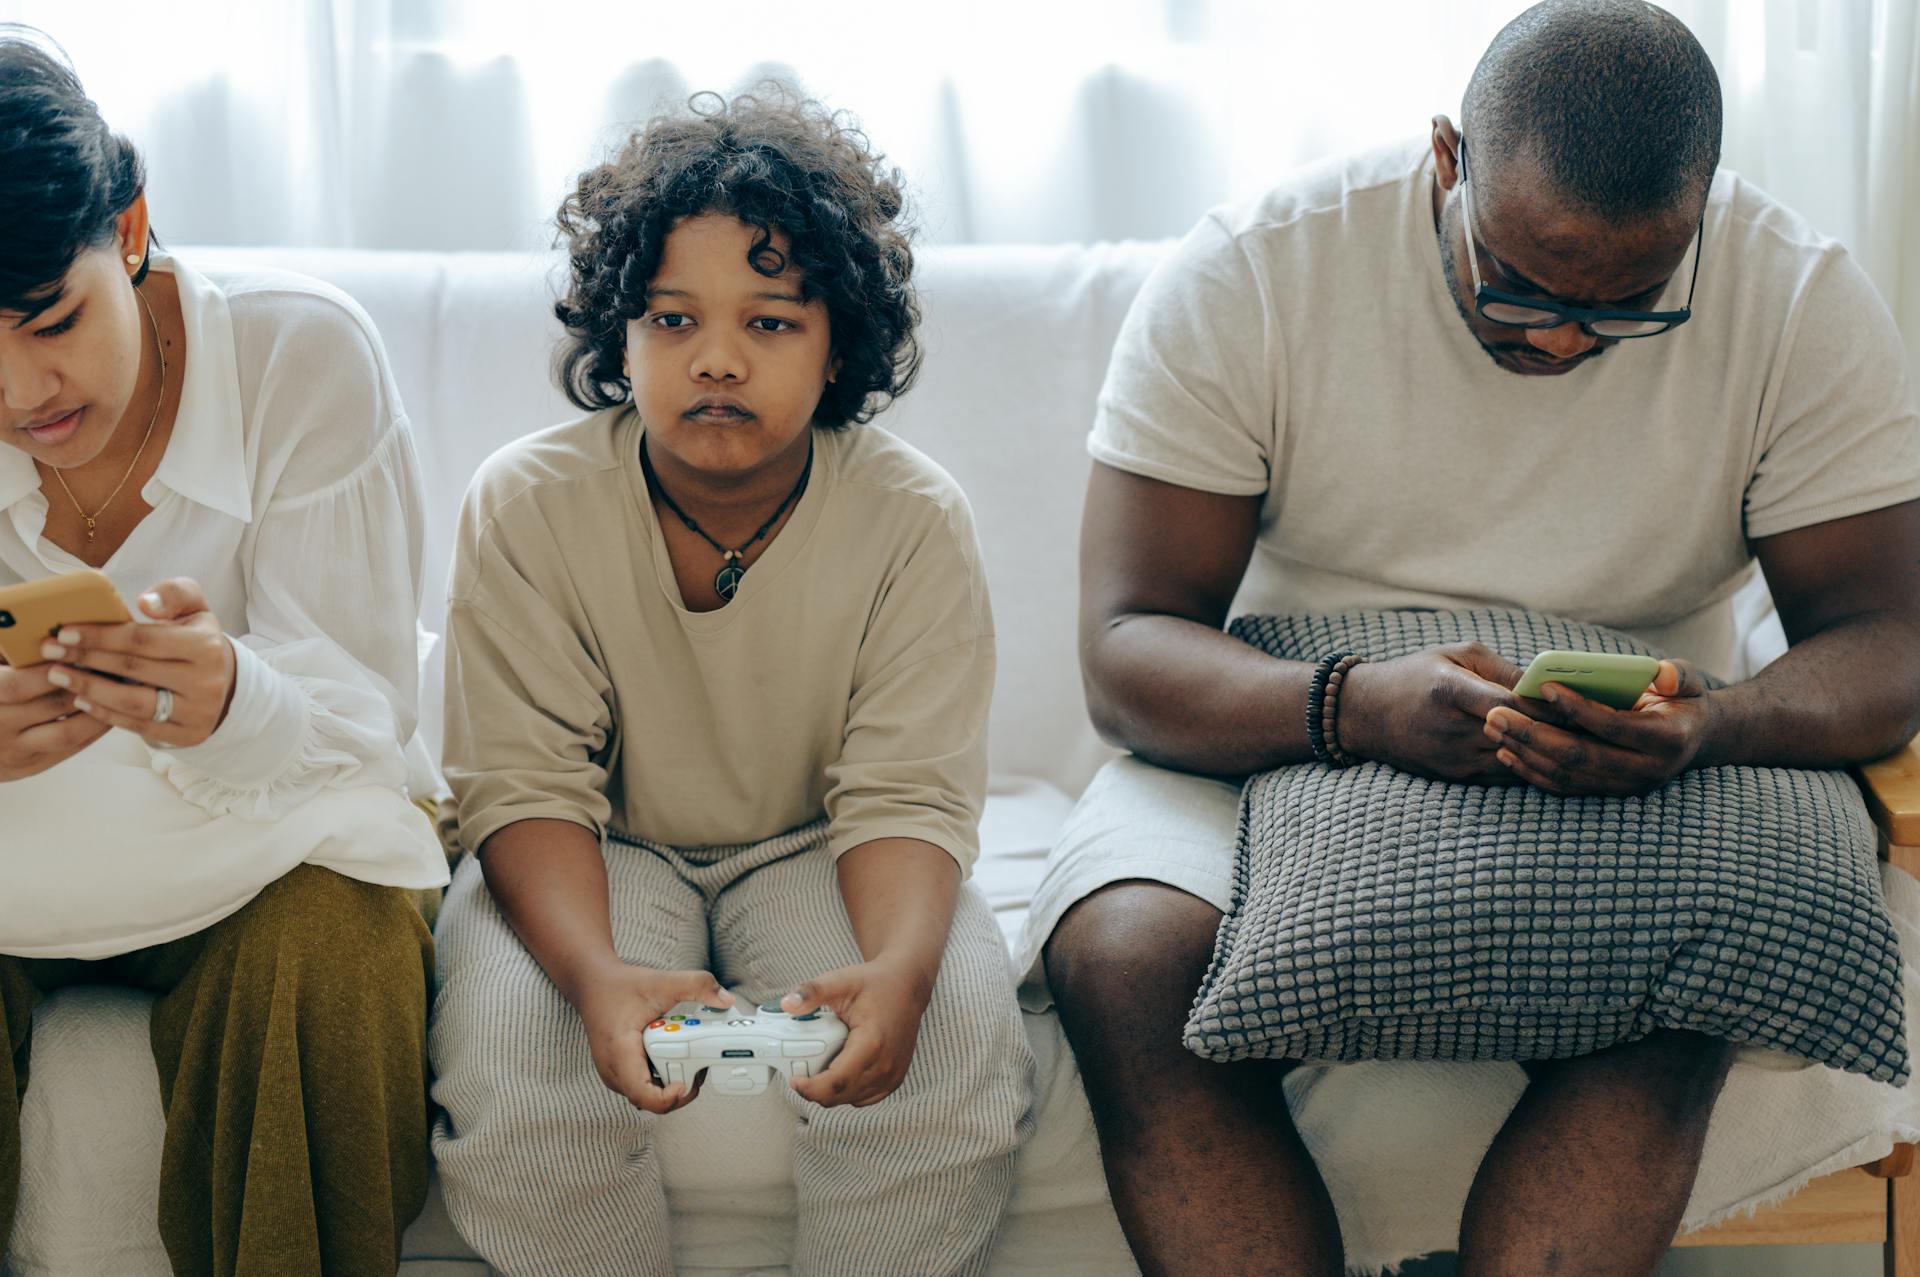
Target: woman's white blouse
{"x":291,"y":492}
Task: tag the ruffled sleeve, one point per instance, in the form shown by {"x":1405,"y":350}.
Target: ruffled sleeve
{"x":326,"y":690}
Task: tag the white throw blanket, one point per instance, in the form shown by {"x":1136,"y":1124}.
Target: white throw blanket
{"x":1399,"y":1142}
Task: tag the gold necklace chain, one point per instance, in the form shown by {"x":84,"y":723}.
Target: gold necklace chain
{"x":159,"y":354}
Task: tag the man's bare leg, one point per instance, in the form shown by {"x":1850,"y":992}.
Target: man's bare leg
{"x":1206,"y":1169}
{"x":1593,"y":1168}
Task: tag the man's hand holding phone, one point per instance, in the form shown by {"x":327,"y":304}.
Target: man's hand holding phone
{"x":1452,"y":713}
{"x":1424,"y":712}
{"x":1576,"y":745}
{"x":169,"y":683}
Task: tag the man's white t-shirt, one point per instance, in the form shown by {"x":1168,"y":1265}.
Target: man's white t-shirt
{"x":1304,"y":348}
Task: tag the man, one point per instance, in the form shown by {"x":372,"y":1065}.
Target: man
{"x":1424,"y":378}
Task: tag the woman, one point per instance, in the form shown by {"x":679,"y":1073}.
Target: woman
{"x":211,"y":804}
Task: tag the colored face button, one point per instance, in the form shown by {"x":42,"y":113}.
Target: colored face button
{"x":691,"y":1023}
{"x":671,"y":1028}
{"x":676,"y":1018}
{"x":656,"y":1024}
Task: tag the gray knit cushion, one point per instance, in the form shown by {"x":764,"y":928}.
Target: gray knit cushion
{"x":1378,"y":915}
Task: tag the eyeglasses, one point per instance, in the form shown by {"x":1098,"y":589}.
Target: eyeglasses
{"x":1513,"y":311}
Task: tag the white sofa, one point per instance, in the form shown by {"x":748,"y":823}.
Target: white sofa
{"x":1017,"y":341}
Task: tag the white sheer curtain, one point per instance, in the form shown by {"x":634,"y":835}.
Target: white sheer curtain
{"x":456,"y":124}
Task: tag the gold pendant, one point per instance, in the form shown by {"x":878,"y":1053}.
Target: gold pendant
{"x":89,"y":531}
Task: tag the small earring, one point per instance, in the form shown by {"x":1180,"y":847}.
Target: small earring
{"x":133,"y":259}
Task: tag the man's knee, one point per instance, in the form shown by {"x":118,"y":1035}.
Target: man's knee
{"x":1672,"y":1072}
{"x":1131,"y":950}
{"x":1687,"y":1071}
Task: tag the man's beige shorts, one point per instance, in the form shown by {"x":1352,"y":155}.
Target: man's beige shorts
{"x":1135,"y":821}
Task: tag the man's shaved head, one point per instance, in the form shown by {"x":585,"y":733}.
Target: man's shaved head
{"x":1613,"y":104}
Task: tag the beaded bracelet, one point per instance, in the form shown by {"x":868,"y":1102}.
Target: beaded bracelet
{"x":1323,"y":708}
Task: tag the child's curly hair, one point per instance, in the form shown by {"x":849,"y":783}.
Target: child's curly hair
{"x":779,"y":164}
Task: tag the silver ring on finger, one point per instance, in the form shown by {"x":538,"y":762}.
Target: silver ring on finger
{"x":162,"y":706}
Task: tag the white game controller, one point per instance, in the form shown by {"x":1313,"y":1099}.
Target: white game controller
{"x":741,"y":1046}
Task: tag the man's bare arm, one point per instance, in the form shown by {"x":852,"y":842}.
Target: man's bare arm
{"x":1159,"y":566}
{"x":1848,"y":688}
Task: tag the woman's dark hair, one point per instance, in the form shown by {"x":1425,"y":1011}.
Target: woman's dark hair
{"x":780,"y":165}
{"x":64,"y":175}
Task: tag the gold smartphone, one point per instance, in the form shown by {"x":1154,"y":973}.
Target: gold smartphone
{"x":32,"y":612}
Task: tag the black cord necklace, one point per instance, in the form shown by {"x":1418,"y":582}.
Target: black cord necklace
{"x":726,"y":582}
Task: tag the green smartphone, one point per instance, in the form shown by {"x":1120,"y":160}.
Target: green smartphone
{"x":1607,"y":677}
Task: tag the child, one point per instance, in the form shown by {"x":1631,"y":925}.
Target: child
{"x":719,"y":662}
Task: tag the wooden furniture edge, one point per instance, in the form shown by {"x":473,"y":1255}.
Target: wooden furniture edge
{"x":1892,"y":788}
{"x":1901,"y":1256}
{"x":1846,"y":1206}
{"x":1894,"y":1164}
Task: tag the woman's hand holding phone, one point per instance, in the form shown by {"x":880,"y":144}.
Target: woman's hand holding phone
{"x":116,"y":673}
{"x":1607,"y":751}
{"x":39,"y":727}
